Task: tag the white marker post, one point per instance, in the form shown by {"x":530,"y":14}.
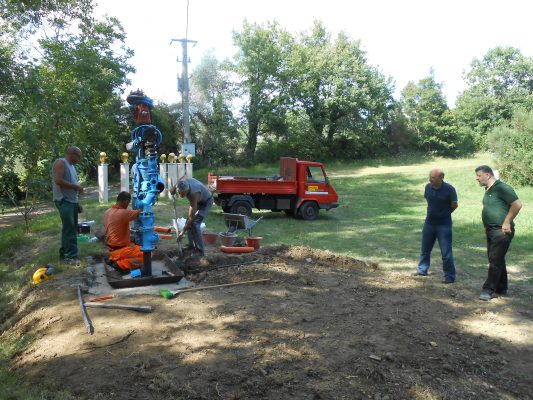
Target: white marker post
{"x":163,"y":172}
{"x":124,"y":173}
{"x":102,"y":183}
{"x":124,"y":177}
{"x":172,"y":176}
{"x":188,"y":169}
{"x":181,"y":170}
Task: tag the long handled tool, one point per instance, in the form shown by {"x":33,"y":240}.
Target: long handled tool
{"x":86,"y":319}
{"x":175,"y":222}
{"x":168,"y":294}
{"x":131,"y":307}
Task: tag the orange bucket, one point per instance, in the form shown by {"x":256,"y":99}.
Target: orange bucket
{"x":227,"y":239}
{"x":209,"y":237}
{"x":254,"y":241}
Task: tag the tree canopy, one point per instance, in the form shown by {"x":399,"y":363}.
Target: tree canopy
{"x":498,"y":83}
{"x":69,"y":71}
{"x":428,"y":117}
{"x":309,"y":95}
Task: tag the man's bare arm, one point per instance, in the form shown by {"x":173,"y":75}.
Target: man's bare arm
{"x":454,"y":205}
{"x":193,"y":207}
{"x":58,"y":170}
{"x":513,"y":212}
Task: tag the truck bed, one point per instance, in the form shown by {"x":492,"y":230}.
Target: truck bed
{"x":252,"y":185}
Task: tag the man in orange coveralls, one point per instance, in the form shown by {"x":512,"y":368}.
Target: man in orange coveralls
{"x":122,"y":251}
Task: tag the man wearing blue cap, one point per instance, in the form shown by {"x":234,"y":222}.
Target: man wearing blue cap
{"x":200,"y":201}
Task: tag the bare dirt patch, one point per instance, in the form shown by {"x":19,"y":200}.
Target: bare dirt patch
{"x":324,"y":327}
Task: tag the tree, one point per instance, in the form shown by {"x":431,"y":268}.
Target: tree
{"x":340,"y":93}
{"x":497,"y":84}
{"x":215,"y":132}
{"x":167,"y":118}
{"x":60,"y":88}
{"x":400,"y":136}
{"x":69,"y":94}
{"x":512,"y":145}
{"x":27,"y":15}
{"x":259,"y":65}
{"x":428,"y":116}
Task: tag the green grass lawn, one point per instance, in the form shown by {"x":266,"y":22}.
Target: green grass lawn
{"x":379,"y":219}
{"x":381,"y":214}
{"x":382,"y":210}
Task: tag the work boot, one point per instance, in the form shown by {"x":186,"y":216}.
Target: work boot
{"x":73,"y":261}
{"x":486,"y":295}
{"x":188,"y":251}
{"x":203,"y":262}
{"x":117,"y":268}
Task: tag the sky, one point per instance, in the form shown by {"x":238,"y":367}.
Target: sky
{"x":404,"y":39}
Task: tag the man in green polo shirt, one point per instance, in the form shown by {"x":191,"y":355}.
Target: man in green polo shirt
{"x":500,"y":207}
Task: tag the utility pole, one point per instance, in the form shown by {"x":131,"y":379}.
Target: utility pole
{"x":183,"y":88}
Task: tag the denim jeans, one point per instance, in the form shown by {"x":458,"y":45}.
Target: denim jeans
{"x":69,"y":220}
{"x":497,"y":245}
{"x":442,"y":233}
{"x":195,"y":233}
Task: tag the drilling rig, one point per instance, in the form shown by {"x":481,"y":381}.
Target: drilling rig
{"x":147,"y":183}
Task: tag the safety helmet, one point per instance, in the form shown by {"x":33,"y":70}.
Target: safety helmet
{"x":42,"y":274}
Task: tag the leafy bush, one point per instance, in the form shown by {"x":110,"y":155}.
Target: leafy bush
{"x":10,"y":183}
{"x":299,"y":141}
{"x":513,"y":148}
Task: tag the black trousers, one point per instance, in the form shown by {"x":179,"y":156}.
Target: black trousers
{"x":497,"y":245}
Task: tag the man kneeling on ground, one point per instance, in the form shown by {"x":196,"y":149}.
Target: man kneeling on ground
{"x":122,"y":251}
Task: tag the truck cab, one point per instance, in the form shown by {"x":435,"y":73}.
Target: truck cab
{"x":314,"y":190}
{"x":301,"y":189}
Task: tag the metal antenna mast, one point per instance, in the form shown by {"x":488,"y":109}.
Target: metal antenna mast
{"x":183,"y":83}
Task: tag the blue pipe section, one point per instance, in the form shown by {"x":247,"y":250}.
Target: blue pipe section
{"x":147,"y":184}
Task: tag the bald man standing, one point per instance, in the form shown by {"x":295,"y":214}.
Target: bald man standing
{"x":65,"y":191}
{"x":442,"y":202}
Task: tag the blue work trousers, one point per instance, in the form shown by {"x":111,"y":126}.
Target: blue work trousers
{"x":69,"y":219}
{"x":195,"y":232}
{"x":442,"y":233}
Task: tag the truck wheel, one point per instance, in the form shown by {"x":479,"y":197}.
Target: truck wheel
{"x":309,"y":211}
{"x":241,"y":207}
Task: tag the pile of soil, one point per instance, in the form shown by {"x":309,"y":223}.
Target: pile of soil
{"x":323,"y":327}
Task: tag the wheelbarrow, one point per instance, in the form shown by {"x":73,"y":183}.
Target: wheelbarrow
{"x":239,"y":222}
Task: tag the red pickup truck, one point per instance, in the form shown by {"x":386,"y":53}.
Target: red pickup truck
{"x":301,"y":189}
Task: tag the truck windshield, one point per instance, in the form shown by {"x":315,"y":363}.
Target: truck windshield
{"x":315,"y":175}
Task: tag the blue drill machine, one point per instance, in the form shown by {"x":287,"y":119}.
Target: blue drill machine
{"x":147,"y":183}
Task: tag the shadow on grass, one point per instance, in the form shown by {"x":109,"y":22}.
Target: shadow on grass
{"x":401,"y":160}
{"x":380,"y":218}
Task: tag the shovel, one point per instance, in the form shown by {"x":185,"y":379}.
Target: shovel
{"x":168,"y":294}
{"x":175,"y":222}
